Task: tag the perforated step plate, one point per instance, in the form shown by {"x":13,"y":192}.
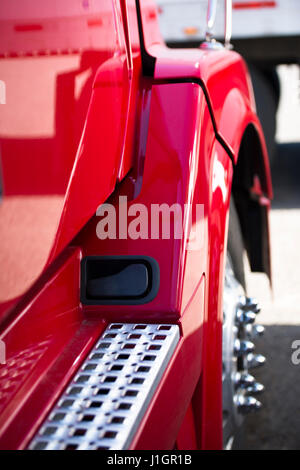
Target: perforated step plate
{"x":105,"y":402}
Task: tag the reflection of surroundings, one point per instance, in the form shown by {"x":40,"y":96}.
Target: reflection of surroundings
{"x":277,"y":426}
{"x":30,"y":225}
{"x":40,"y":128}
{"x":50,"y":55}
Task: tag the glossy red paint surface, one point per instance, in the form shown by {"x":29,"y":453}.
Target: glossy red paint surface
{"x":44,"y":344}
{"x":179,"y":176}
{"x":168,"y":177}
{"x":105,"y":131}
{"x":71,"y":102}
{"x":49,"y":74}
{"x":186,"y":438}
{"x":226,"y":80}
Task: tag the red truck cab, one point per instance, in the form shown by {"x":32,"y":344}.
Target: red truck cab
{"x":100,"y":115}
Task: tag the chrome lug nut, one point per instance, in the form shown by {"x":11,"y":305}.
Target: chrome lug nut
{"x":258,"y":330}
{"x":242,"y":347}
{"x":242,"y":303}
{"x":247,"y":404}
{"x":255,"y":389}
{"x":254,"y":331}
{"x":249,"y":331}
{"x":253,"y":304}
{"x":255,"y":360}
{"x":249,"y":304}
{"x":245,"y":318}
{"x":243,"y":380}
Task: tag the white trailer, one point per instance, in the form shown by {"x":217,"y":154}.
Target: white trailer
{"x":185,"y":20}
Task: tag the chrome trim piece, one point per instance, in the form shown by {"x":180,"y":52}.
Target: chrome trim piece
{"x":210,"y":19}
{"x":105,"y":402}
{"x":210,"y":42}
{"x":228,"y":24}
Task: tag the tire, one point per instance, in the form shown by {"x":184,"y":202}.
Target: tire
{"x":235,"y":245}
{"x":266,"y":94}
{"x":238,"y":384}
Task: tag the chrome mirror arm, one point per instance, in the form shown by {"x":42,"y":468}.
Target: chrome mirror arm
{"x":228,"y":24}
{"x":210,"y":42}
{"x":210,"y":19}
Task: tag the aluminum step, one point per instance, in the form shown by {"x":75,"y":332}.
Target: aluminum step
{"x":105,"y":402}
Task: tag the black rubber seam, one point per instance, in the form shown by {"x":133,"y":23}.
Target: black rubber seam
{"x":199,"y":82}
{"x":148,"y":61}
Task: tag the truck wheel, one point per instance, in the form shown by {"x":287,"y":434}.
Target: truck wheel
{"x":239,"y":315}
{"x":266,"y":98}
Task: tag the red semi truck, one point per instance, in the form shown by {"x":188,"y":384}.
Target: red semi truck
{"x":133,"y":179}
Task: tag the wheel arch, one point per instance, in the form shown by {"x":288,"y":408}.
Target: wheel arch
{"x":252,"y":192}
